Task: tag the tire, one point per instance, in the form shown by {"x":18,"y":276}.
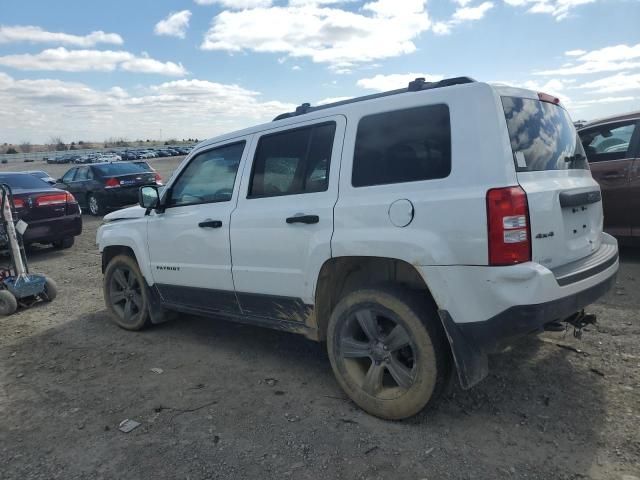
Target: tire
{"x":94,"y":206}
{"x":64,"y":243}
{"x":8,"y":303}
{"x":390,"y":375}
{"x":125,"y":293}
{"x":50,"y":290}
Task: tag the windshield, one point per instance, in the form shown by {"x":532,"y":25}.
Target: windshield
{"x":23,"y":181}
{"x":542,"y":136}
{"x":115,"y":169}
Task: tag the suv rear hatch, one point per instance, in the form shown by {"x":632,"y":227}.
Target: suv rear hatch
{"x":565,"y":207}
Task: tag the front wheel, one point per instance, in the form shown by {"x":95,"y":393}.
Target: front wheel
{"x":387,"y":351}
{"x":8,"y":303}
{"x":125,"y":293}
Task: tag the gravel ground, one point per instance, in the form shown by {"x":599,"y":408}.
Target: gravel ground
{"x":241,"y":402}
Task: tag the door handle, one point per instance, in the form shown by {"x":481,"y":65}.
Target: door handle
{"x":307,"y":219}
{"x":208,"y":223}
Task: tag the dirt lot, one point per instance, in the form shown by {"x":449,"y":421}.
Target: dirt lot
{"x":241,"y":402}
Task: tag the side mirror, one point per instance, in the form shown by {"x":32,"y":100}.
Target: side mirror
{"x":148,"y":197}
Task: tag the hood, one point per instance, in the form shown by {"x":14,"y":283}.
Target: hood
{"x":126,"y":213}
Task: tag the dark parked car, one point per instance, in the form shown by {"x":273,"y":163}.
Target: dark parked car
{"x":53,"y":215}
{"x":42,"y":175}
{"x":612,"y":146}
{"x":103,"y":186}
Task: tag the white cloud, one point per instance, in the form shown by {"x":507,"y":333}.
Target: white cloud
{"x":621,"y":82}
{"x":461,"y":15}
{"x":340,"y":38}
{"x":575,"y":53}
{"x":65,"y":60}
{"x":603,"y":100}
{"x":383,"y":83}
{"x":181,"y":108}
{"x":607,"y":59}
{"x":326,"y":101}
{"x":559,"y":9}
{"x":32,"y":34}
{"x":175,"y":25}
{"x":237,"y":4}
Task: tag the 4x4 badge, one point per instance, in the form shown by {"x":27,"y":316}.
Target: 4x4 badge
{"x":545,"y":235}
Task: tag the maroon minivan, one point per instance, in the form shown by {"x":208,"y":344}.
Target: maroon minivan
{"x":612,"y":146}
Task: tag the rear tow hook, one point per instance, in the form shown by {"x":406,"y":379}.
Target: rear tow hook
{"x":579,"y":320}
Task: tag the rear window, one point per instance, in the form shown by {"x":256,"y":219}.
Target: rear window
{"x":542,"y":136}
{"x":115,"y":169}
{"x":23,"y":181}
{"x":403,"y":146}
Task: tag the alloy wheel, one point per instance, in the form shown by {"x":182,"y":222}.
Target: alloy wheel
{"x":125,"y":294}
{"x":377,"y":353}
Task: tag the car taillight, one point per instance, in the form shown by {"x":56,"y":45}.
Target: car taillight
{"x":18,"y":203}
{"x":51,"y":199}
{"x":158,"y":178}
{"x":70,"y":198}
{"x":112,"y":183}
{"x":508,"y":226}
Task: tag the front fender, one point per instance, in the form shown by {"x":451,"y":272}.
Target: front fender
{"x":131,"y":234}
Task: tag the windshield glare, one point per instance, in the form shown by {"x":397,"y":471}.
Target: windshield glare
{"x":542,"y":136}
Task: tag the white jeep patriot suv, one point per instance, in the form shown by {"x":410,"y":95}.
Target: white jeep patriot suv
{"x":414,"y":231}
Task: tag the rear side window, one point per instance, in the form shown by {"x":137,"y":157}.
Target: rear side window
{"x":608,"y":142}
{"x":293,"y":162}
{"x":542,"y":136}
{"x":403,"y":146}
{"x":119,"y":168}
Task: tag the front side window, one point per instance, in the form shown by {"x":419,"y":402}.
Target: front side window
{"x":542,"y":136}
{"x":608,"y":142}
{"x":293,"y":162}
{"x":208,"y":178}
{"x":83,"y":174}
{"x":68,"y":177}
{"x":403,"y":146}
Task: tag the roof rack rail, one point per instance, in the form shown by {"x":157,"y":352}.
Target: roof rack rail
{"x":416,"y":85}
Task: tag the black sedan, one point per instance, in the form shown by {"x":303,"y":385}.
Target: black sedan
{"x":53,"y":215}
{"x":100,"y":187}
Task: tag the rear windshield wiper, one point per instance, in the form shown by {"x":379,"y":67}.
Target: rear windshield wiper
{"x":576,"y":157}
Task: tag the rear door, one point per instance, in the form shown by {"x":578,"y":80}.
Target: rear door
{"x":610,"y":150}
{"x":565,"y":206}
{"x":281,"y":229}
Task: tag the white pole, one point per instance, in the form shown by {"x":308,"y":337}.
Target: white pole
{"x":13,"y":237}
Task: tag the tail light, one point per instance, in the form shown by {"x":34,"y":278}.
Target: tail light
{"x":70,"y":198}
{"x":112,"y":183}
{"x":18,"y":203}
{"x":51,"y":199}
{"x":508,"y":226}
{"x":158,"y":178}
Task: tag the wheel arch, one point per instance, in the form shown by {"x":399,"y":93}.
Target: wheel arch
{"x":339,"y":276}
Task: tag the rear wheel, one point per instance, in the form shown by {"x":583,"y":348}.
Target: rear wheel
{"x":125,"y":293}
{"x":387,"y":351}
{"x":95,"y":206}
{"x":66,"y":242}
{"x":8,"y":303}
{"x":50,"y":290}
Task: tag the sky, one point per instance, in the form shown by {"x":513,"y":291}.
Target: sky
{"x":92,"y":70}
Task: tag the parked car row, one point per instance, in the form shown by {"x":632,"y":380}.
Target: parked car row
{"x":116,"y":156}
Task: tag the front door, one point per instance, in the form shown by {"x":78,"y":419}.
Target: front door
{"x":189,"y":241}
{"x":609,"y":149}
{"x":281,"y":230}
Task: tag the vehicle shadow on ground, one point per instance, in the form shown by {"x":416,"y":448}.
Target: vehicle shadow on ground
{"x":268,"y":393}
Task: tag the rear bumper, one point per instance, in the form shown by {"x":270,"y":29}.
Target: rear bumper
{"x":503,"y":303}
{"x":119,"y":197}
{"x":53,"y":229}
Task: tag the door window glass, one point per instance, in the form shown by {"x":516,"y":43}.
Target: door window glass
{"x":293,"y":162}
{"x":83,"y":174}
{"x":68,"y":177}
{"x":608,"y":142}
{"x":209,"y":177}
